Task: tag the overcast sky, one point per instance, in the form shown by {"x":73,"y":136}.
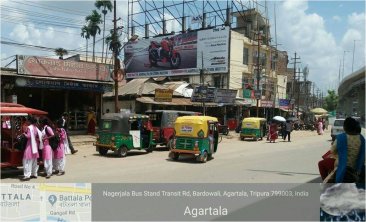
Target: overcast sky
{"x":318,"y":31}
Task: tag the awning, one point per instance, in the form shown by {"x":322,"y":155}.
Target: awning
{"x":174,"y":102}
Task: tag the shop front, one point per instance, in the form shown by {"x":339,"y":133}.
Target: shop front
{"x":57,"y":86}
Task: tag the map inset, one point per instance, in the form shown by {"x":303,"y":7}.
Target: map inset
{"x":46,"y":202}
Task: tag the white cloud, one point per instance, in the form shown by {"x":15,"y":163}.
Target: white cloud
{"x":306,"y":34}
{"x":337,"y":18}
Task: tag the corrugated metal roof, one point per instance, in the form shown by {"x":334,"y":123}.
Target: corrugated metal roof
{"x":139,"y":87}
{"x":174,"y":102}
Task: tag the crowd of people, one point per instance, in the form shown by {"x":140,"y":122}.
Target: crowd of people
{"x":284,"y":128}
{"x":39,"y":147}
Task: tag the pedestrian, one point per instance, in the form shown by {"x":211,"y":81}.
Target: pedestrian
{"x":289,"y":128}
{"x":91,"y":122}
{"x":320,"y":127}
{"x":47,"y":152}
{"x":30,"y":156}
{"x":349,"y":148}
{"x":273,"y":135}
{"x":283,"y":130}
{"x":59,"y":154}
{"x":65,"y":126}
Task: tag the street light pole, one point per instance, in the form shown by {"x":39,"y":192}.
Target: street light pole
{"x":353,"y":56}
{"x":344,"y":53}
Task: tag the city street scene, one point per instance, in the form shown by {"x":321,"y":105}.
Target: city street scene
{"x":183,"y":92}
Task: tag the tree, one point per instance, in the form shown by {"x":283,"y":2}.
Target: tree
{"x":331,"y":101}
{"x":93,"y":21}
{"x":85,"y":33}
{"x":61,"y":52}
{"x":105,"y":5}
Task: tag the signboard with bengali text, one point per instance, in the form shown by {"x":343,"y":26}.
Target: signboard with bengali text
{"x":163,"y":95}
{"x":41,"y":66}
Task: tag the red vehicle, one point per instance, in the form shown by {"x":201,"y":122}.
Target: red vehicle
{"x":164,"y":52}
{"x":162,"y":122}
{"x":12,"y":121}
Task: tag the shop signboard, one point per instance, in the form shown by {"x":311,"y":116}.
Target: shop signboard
{"x":41,"y":66}
{"x":63,"y":84}
{"x":284,"y":103}
{"x":163,"y":95}
{"x":143,"y":59}
{"x":203,"y":94}
{"x":225,"y":96}
{"x":215,"y":95}
{"x":266,"y":103}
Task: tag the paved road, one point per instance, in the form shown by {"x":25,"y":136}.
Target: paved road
{"x":236,"y":161}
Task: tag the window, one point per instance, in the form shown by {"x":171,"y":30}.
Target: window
{"x":246,"y":56}
{"x":217,"y":81}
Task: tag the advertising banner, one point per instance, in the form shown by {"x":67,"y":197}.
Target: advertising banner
{"x":177,"y":55}
{"x":40,"y":66}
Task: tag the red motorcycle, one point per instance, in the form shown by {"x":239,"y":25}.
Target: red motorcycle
{"x":164,"y":52}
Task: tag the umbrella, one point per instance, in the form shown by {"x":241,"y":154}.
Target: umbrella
{"x":279,"y":118}
{"x":319,"y":111}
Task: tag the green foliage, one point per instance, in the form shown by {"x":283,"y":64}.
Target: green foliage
{"x":331,"y":101}
{"x":105,"y":5}
{"x":61,"y":52}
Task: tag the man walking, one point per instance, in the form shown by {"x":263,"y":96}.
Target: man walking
{"x":288,"y":130}
{"x":65,"y":120}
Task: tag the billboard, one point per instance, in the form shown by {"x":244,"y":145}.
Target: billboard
{"x":163,"y":95}
{"x":214,"y":95}
{"x":181,"y":54}
{"x":40,"y":66}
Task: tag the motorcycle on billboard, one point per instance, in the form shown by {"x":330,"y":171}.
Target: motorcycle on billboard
{"x":164,"y":52}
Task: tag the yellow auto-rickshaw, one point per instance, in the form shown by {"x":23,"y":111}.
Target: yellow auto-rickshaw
{"x":195,"y":135}
{"x":253,"y":127}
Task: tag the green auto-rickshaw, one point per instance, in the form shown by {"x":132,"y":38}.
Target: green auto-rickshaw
{"x":195,"y":135}
{"x":253,"y":127}
{"x":121,"y":132}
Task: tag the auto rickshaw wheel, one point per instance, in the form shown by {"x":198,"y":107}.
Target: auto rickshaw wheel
{"x":151,"y":148}
{"x":103,"y":151}
{"x":174,"y":155}
{"x":122,"y":151}
{"x":203,"y":157}
{"x":169,"y":144}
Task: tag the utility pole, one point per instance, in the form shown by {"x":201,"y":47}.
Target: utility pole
{"x":293,"y":82}
{"x":202,"y":79}
{"x":258,"y":92}
{"x":115,"y":49}
{"x":298,"y":94}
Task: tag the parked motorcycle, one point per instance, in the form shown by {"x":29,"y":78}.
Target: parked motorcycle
{"x":171,"y":56}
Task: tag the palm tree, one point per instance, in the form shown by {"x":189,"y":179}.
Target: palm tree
{"x":85,"y":33}
{"x":93,"y":21}
{"x":105,"y":5}
{"x":61,"y":52}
